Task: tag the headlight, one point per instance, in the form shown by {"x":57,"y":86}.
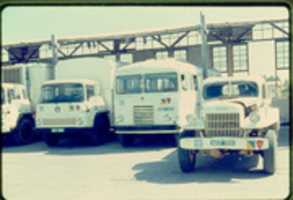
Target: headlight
{"x":167,"y":117}
{"x":190,"y":118}
{"x":39,"y":122}
{"x":254,"y":117}
{"x":79,"y":121}
{"x":120,"y":118}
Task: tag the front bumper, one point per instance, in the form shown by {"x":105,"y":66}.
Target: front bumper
{"x":231,"y":143}
{"x":153,"y":129}
{"x":64,"y":131}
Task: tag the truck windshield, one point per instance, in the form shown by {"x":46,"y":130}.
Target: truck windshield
{"x":129,"y":84}
{"x":163,"y":82}
{"x":61,"y":93}
{"x":244,"y":89}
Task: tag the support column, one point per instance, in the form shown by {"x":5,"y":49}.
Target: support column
{"x":230,"y":59}
{"x":54,"y":61}
{"x":170,"y":53}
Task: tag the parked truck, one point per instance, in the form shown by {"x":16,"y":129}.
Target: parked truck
{"x":154,"y":97}
{"x":235,"y":117}
{"x":31,"y":76}
{"x":17,"y":122}
{"x":78,"y":101}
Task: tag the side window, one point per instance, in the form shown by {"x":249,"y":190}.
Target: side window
{"x":195,"y":83}
{"x":264,"y":91}
{"x":18,"y":94}
{"x":183,"y":82}
{"x":11,"y":95}
{"x":90,"y":91}
{"x":24,"y":94}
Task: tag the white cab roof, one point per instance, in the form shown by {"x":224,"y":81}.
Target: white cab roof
{"x":11,"y":85}
{"x":82,"y":81}
{"x":157,"y":66}
{"x":253,"y":78}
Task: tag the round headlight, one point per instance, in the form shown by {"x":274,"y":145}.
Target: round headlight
{"x":79,"y":121}
{"x":190,"y":118}
{"x":167,"y":117}
{"x":254,"y":117}
{"x":120,"y":118}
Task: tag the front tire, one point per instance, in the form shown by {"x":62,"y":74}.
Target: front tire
{"x":187,"y":159}
{"x":269,"y":155}
{"x":100,"y":131}
{"x":24,"y":132}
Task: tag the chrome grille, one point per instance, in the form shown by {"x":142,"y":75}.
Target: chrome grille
{"x":143,"y":115}
{"x":223,"y":124}
{"x":59,"y":121}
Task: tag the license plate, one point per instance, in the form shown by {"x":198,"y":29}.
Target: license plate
{"x":222,"y":143}
{"x":57,"y":130}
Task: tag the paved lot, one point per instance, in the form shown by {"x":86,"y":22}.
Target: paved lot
{"x":147,"y":171}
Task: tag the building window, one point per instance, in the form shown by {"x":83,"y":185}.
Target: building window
{"x":282,"y":54}
{"x":240,"y":58}
{"x":180,"y":55}
{"x":161,"y":55}
{"x":220,"y":59}
{"x":127,"y":58}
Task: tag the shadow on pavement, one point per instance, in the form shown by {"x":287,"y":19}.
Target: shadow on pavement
{"x":78,"y":147}
{"x":167,"y":171}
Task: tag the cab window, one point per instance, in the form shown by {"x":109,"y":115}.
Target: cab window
{"x":184,"y":84}
{"x":195,"y":83}
{"x":90,"y":91}
{"x":11,"y":95}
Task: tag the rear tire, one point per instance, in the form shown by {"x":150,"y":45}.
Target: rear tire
{"x":100,"y":131}
{"x":24,"y":132}
{"x":269,"y":155}
{"x":187,"y":159}
{"x":51,"y":139}
{"x":126,"y":140}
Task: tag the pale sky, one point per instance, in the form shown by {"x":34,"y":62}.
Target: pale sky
{"x":20,"y":24}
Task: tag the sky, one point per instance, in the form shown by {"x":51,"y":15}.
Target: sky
{"x":21,"y":24}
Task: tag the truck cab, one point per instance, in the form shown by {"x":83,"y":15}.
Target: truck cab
{"x":17,"y":115}
{"x":154,"y":97}
{"x":71,"y":107}
{"x":236,"y":117}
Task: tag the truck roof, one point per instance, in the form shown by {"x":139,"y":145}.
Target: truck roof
{"x":61,"y":81}
{"x":253,"y":78}
{"x":11,"y":85}
{"x":162,"y":65}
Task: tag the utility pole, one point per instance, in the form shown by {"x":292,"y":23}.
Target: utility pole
{"x":54,"y":61}
{"x":204,"y":45}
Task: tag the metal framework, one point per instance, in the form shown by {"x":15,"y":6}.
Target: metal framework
{"x":228,"y":34}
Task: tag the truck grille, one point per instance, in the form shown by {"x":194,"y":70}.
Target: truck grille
{"x":59,"y":121}
{"x":143,"y":115}
{"x":223,"y":124}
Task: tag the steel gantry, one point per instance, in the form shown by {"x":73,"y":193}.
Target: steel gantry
{"x":168,"y":40}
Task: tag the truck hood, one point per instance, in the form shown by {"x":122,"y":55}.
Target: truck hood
{"x":242,"y":105}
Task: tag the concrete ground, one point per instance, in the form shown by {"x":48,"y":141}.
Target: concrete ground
{"x":147,"y":171}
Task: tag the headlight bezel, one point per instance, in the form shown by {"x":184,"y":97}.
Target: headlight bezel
{"x":254,"y":117}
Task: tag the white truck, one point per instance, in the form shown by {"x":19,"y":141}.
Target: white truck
{"x":154,"y":97}
{"x":31,"y":76}
{"x":235,"y":117}
{"x":78,"y":102}
{"x":16,"y":114}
